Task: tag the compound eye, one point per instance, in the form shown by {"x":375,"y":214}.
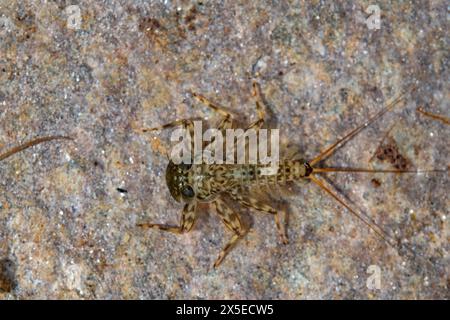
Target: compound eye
{"x":188,"y":192}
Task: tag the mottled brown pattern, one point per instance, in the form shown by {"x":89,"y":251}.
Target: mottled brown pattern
{"x":388,"y":151}
{"x":72,"y":234}
{"x":7,"y":275}
{"x":192,"y":183}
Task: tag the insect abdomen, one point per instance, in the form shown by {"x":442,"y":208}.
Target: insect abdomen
{"x":285,"y":171}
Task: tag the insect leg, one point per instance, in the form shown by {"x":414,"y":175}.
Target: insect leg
{"x":256,"y":92}
{"x":225,"y":123}
{"x":186,"y":123}
{"x":227,"y":117}
{"x":233,"y":223}
{"x":258,"y":123}
{"x":279,"y":215}
{"x":219,"y":109}
{"x":187,"y":221}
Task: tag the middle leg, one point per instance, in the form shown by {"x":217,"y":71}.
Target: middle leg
{"x":253,"y":203}
{"x":233,"y":223}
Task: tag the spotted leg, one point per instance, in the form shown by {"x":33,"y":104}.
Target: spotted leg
{"x":233,"y":223}
{"x":279,"y":215}
{"x":187,"y":221}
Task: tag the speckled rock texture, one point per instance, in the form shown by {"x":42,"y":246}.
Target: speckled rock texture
{"x":66,"y":231}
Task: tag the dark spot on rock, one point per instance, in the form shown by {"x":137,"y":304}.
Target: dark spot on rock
{"x":149,"y":25}
{"x":343,"y":92}
{"x":166,"y":34}
{"x":389,"y":152}
{"x":375,"y":182}
{"x":6,"y":69}
{"x":26,"y":21}
{"x":122,"y":190}
{"x":189,"y":19}
{"x":309,"y":233}
{"x":7,"y":275}
{"x":83,"y":73}
{"x":191,"y":15}
{"x":24,"y":16}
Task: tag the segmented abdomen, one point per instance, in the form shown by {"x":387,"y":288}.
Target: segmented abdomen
{"x":285,"y":171}
{"x":213,"y":179}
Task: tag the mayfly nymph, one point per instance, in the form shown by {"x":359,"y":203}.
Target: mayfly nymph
{"x":192,"y":184}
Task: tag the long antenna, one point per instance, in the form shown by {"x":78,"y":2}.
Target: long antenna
{"x":379,"y":231}
{"x":327,"y":152}
{"x":366,"y":220}
{"x":363,"y":170}
{"x":375,"y":227}
{"x":29,"y":144}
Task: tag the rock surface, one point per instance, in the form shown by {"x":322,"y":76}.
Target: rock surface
{"x":66,"y":231}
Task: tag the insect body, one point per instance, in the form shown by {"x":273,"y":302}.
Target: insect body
{"x":214,"y":183}
{"x":207,"y":181}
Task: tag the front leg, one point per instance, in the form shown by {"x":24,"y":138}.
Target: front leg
{"x":188,"y":124}
{"x":188,"y":218}
{"x":227,"y":118}
{"x":260,"y":112}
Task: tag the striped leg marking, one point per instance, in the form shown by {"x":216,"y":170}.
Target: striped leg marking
{"x":187,"y":221}
{"x":233,"y":223}
{"x":279,"y":215}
